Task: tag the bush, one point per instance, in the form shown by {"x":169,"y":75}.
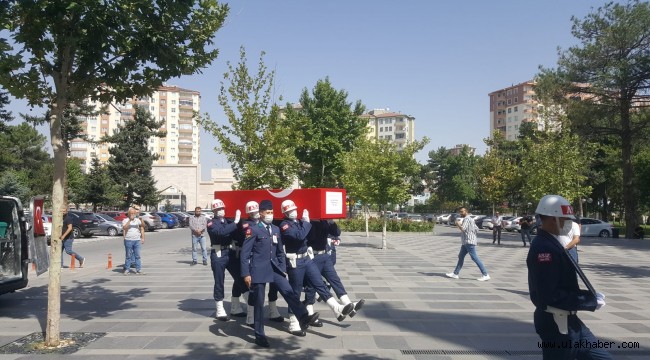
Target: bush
{"x":376,"y":225}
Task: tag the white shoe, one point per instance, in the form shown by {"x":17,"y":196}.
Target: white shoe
{"x":484,"y":278}
{"x":452,"y":275}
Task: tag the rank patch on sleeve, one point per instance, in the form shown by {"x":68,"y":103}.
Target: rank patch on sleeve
{"x":544,"y":257}
{"x":249,"y":233}
{"x":210,"y":224}
{"x":245,"y":225}
{"x":285,"y":227}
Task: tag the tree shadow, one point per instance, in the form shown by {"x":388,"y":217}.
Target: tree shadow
{"x":617,"y":270}
{"x":82,"y":300}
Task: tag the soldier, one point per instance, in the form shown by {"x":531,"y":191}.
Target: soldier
{"x":263,"y":261}
{"x":222,"y":233}
{"x":321,"y":240}
{"x":554,"y":290}
{"x":301,"y":267}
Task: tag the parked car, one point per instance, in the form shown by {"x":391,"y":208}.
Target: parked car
{"x":414,"y":218}
{"x":512,"y":225}
{"x":47,"y":226}
{"x":505,"y":222}
{"x":452,"y":219}
{"x":486,"y":223}
{"x":151,"y":220}
{"x":183,"y":218}
{"x":168,"y":220}
{"x":108,"y":225}
{"x":117,"y":215}
{"x":442,"y":219}
{"x":595,"y":227}
{"x":478,"y":220}
{"x":84,"y":223}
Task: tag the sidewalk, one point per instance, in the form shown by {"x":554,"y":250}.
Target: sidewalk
{"x":412,"y":310}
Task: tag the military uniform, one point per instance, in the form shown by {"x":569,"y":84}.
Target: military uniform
{"x":554,"y":290}
{"x":264,"y":260}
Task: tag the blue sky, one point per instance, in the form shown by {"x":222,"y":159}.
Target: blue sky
{"x":434,"y":60}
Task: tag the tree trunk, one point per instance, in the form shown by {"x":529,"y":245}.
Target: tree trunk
{"x":629,"y":188}
{"x":384,"y":245}
{"x":52,"y":331}
{"x":365,"y":215}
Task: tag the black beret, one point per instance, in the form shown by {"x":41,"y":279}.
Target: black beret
{"x":266,"y":205}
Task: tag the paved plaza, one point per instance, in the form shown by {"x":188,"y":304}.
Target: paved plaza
{"x":412,"y":310}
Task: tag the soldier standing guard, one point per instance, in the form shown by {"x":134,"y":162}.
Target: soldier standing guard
{"x":554,"y":290}
{"x":263,"y":261}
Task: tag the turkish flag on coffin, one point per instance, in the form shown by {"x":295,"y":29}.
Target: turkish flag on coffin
{"x":322,"y":203}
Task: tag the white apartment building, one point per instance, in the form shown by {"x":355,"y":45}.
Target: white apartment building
{"x":172,"y":105}
{"x":512,"y":106}
{"x":392,"y":126}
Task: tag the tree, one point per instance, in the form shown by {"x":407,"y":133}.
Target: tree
{"x":330,"y":126}
{"x":10,"y":184}
{"x":5,"y":116}
{"x":376,"y":173}
{"x":65,"y":51}
{"x":131,"y":162}
{"x":257,"y":143}
{"x":609,"y":73}
{"x":76,"y":188}
{"x":451,"y":177}
{"x":99,"y":185}
{"x":496,"y":176}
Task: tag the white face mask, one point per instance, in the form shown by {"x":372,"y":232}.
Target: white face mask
{"x":293,"y":214}
{"x":268,"y":218}
{"x":566,"y":228}
{"x":221,"y":213}
{"x":255,"y":215}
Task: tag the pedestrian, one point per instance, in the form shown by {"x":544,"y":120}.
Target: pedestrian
{"x":526,"y":223}
{"x":320,"y":240}
{"x":468,"y":231}
{"x":67,"y":238}
{"x":497,"y":223}
{"x":222,"y":233}
{"x":553,"y":288}
{"x":263,"y":260}
{"x":133,"y":229}
{"x":570,"y":241}
{"x":301,"y":269}
{"x":198,"y":226}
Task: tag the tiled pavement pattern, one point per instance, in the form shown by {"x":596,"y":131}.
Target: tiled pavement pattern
{"x":412,"y":310}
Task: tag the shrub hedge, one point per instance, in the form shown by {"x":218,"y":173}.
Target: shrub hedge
{"x":376,"y":225}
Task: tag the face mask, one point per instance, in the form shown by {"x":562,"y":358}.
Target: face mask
{"x":293,"y":214}
{"x":221,"y":213}
{"x":268,"y":219}
{"x":255,"y":216}
{"x":564,"y":230}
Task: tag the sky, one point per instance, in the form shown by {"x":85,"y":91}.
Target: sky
{"x":434,"y":60}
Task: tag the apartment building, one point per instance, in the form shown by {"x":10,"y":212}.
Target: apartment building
{"x":171,"y":105}
{"x":512,"y":106}
{"x":392,"y":126}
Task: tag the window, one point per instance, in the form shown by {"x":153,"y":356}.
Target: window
{"x":173,"y":126}
{"x":152,"y":108}
{"x":173,"y":102}
{"x":509,"y":101}
{"x":173,"y":110}
{"x":516,"y":107}
{"x":390,"y":128}
{"x":509,"y":110}
{"x":508,"y":92}
{"x":516,"y":99}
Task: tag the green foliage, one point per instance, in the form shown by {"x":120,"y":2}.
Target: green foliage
{"x":168,"y":206}
{"x":100,"y":188}
{"x":600,"y":81}
{"x":452,"y":177}
{"x":5,"y":116}
{"x":376,"y":225}
{"x":12,"y":185}
{"x":257,"y":143}
{"x":330,"y":126}
{"x":76,"y":182}
{"x":496,"y":177}
{"x":131,"y":162}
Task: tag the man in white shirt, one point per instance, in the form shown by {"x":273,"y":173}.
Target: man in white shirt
{"x":497,"y":223}
{"x":571,"y":240}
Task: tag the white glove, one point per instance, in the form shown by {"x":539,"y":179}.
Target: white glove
{"x":305,"y":215}
{"x":600,"y":300}
{"x":237,"y":216}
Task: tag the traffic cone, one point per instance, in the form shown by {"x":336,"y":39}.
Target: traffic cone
{"x":72,"y":261}
{"x":110,"y":261}
{"x":34,"y":266}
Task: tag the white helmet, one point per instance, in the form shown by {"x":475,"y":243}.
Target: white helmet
{"x":252,"y":206}
{"x":218,"y":204}
{"x":556,"y":206}
{"x":288,"y":205}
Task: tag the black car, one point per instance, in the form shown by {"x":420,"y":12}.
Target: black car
{"x":183,"y":218}
{"x":84,"y":223}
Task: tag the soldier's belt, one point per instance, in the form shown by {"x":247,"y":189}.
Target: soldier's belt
{"x":561,"y":318}
{"x":320,"y":252}
{"x":220,"y":247}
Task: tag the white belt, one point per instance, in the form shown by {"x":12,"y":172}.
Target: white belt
{"x":561,"y":318}
{"x":320,"y":252}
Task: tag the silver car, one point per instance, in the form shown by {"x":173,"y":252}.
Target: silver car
{"x":595,"y":227}
{"x":151,"y":220}
{"x":108,"y":225}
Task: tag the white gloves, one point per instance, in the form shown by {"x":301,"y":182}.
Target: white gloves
{"x":600,"y":299}
{"x":237,"y":216}
{"x":305,"y":215}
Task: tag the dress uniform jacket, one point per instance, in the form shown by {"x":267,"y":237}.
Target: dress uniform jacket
{"x":322,"y":230}
{"x":262,"y":253}
{"x":222,"y":231}
{"x":294,"y":233}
